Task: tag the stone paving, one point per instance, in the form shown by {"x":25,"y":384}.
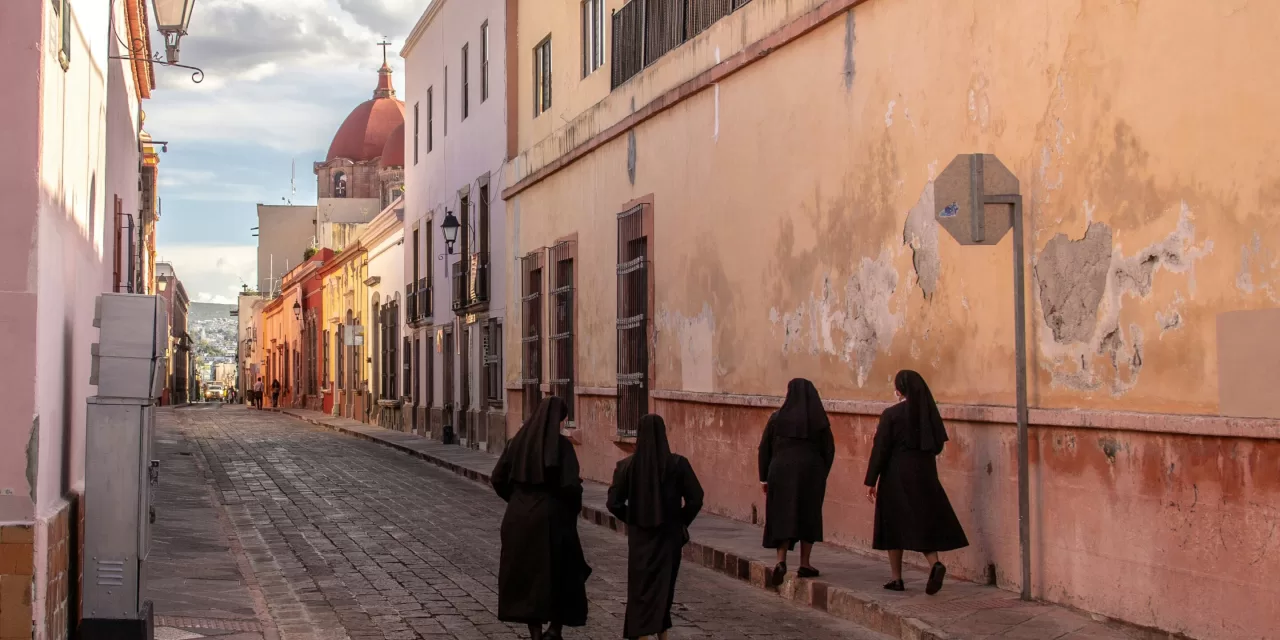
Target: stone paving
{"x":850,"y":586}
{"x":193,"y":576}
{"x":349,"y":539}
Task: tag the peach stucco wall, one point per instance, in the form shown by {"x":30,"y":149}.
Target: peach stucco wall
{"x":794,"y":235}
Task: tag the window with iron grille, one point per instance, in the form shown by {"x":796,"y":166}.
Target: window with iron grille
{"x":645,"y":30}
{"x":592,"y":36}
{"x":542,"y":77}
{"x":633,"y":320}
{"x":484,"y":61}
{"x":493,"y":362}
{"x":562,"y":310}
{"x":325,"y":373}
{"x":445,"y":124}
{"x":415,"y":133}
{"x":531,"y":332}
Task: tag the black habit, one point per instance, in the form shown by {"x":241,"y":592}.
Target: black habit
{"x":796,"y":453}
{"x":657,"y":494}
{"x":912,"y":509}
{"x":542,"y":573}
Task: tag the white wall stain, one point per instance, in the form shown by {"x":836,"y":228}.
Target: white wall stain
{"x":1073,"y":365}
{"x":696,"y":336}
{"x":888,"y":114}
{"x":1256,"y":259}
{"x":856,"y":328}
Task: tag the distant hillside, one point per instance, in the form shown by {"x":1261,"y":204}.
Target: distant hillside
{"x":213,"y":330}
{"x":207,"y":311}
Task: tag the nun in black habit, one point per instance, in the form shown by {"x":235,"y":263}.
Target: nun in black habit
{"x":657,"y":495}
{"x":912,"y":509}
{"x":796,"y":453}
{"x":542,"y":573}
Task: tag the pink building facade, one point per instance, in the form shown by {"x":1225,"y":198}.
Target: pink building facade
{"x":457,"y":124}
{"x":69,"y":127}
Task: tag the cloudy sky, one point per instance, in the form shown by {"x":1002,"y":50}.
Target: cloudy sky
{"x":279,"y":79}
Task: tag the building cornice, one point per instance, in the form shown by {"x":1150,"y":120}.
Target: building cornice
{"x":421,"y":27}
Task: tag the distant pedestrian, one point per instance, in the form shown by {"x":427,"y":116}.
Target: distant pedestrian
{"x":257,"y":393}
{"x":912,"y":509}
{"x":656,"y":493}
{"x":542,"y":572}
{"x":275,"y":394}
{"x":796,"y":454}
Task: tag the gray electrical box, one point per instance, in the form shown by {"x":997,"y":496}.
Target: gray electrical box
{"x":129,"y":370}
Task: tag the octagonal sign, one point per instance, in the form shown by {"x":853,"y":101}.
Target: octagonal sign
{"x":966,"y":186}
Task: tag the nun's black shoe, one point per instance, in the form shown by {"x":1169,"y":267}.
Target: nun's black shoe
{"x":896,"y":585}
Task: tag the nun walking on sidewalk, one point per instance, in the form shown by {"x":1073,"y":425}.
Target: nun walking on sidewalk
{"x":796,"y":453}
{"x":542,"y":572}
{"x":656,"y":493}
{"x":912,"y":509}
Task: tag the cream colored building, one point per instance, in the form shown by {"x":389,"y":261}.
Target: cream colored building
{"x":701,"y":221}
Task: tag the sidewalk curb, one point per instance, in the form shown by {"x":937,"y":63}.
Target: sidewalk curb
{"x":816,"y":594}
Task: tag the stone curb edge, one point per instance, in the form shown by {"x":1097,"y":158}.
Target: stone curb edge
{"x":817,"y":594}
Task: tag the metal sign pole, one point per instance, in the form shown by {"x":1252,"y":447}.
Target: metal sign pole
{"x":963,"y":190}
{"x":1020,"y":351}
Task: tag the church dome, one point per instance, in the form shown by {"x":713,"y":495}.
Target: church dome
{"x":365,"y":132}
{"x":393,"y":152}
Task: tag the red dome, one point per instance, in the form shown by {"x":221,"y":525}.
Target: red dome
{"x":393,"y":152}
{"x":364,"y":133}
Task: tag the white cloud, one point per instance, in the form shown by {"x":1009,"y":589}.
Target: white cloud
{"x":211,"y":273}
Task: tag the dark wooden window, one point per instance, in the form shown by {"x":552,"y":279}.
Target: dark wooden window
{"x":325,"y":374}
{"x":431,"y":119}
{"x":341,"y":348}
{"x":592,"y":36}
{"x":633,"y":320}
{"x":531,"y":332}
{"x":562,"y":316}
{"x":542,"y":77}
{"x":415,"y":133}
{"x":407,"y":357}
{"x":445,"y":125}
{"x":466,"y":81}
{"x":484,"y":61}
{"x":493,"y":362}
{"x":449,"y":360}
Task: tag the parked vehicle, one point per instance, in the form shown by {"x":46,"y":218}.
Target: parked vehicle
{"x":214,"y":391}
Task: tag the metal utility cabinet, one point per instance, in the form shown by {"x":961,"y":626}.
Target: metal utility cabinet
{"x":129,"y":370}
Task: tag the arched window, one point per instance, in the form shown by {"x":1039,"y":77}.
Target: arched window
{"x":340,"y":185}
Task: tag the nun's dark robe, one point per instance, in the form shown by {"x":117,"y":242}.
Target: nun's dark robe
{"x":542,"y":572}
{"x":796,"y":471}
{"x":653,"y":554}
{"x":912,"y":509}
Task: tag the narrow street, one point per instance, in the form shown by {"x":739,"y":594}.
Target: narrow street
{"x":344,"y":538}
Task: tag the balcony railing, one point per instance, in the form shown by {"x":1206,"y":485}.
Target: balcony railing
{"x":645,"y":30}
{"x":471,"y":281}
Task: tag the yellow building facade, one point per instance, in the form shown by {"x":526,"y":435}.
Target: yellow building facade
{"x":345,"y":309}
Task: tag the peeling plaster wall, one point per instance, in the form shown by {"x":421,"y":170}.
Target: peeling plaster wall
{"x":794,"y":236}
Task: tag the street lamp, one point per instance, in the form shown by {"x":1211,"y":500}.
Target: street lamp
{"x":172,"y":19}
{"x":450,"y":228}
{"x":297,"y":312}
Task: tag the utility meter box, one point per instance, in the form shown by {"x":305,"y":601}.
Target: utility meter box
{"x":129,"y":369}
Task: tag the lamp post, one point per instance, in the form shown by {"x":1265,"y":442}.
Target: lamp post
{"x":449,"y":228}
{"x":297,"y":312}
{"x":172,"y":19}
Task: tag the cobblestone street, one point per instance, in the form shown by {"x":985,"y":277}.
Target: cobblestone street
{"x":350,"y":539}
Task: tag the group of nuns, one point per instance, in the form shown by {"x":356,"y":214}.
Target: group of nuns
{"x":543,"y":571}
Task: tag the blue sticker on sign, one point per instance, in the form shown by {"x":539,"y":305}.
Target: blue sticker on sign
{"x":950,"y":212}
